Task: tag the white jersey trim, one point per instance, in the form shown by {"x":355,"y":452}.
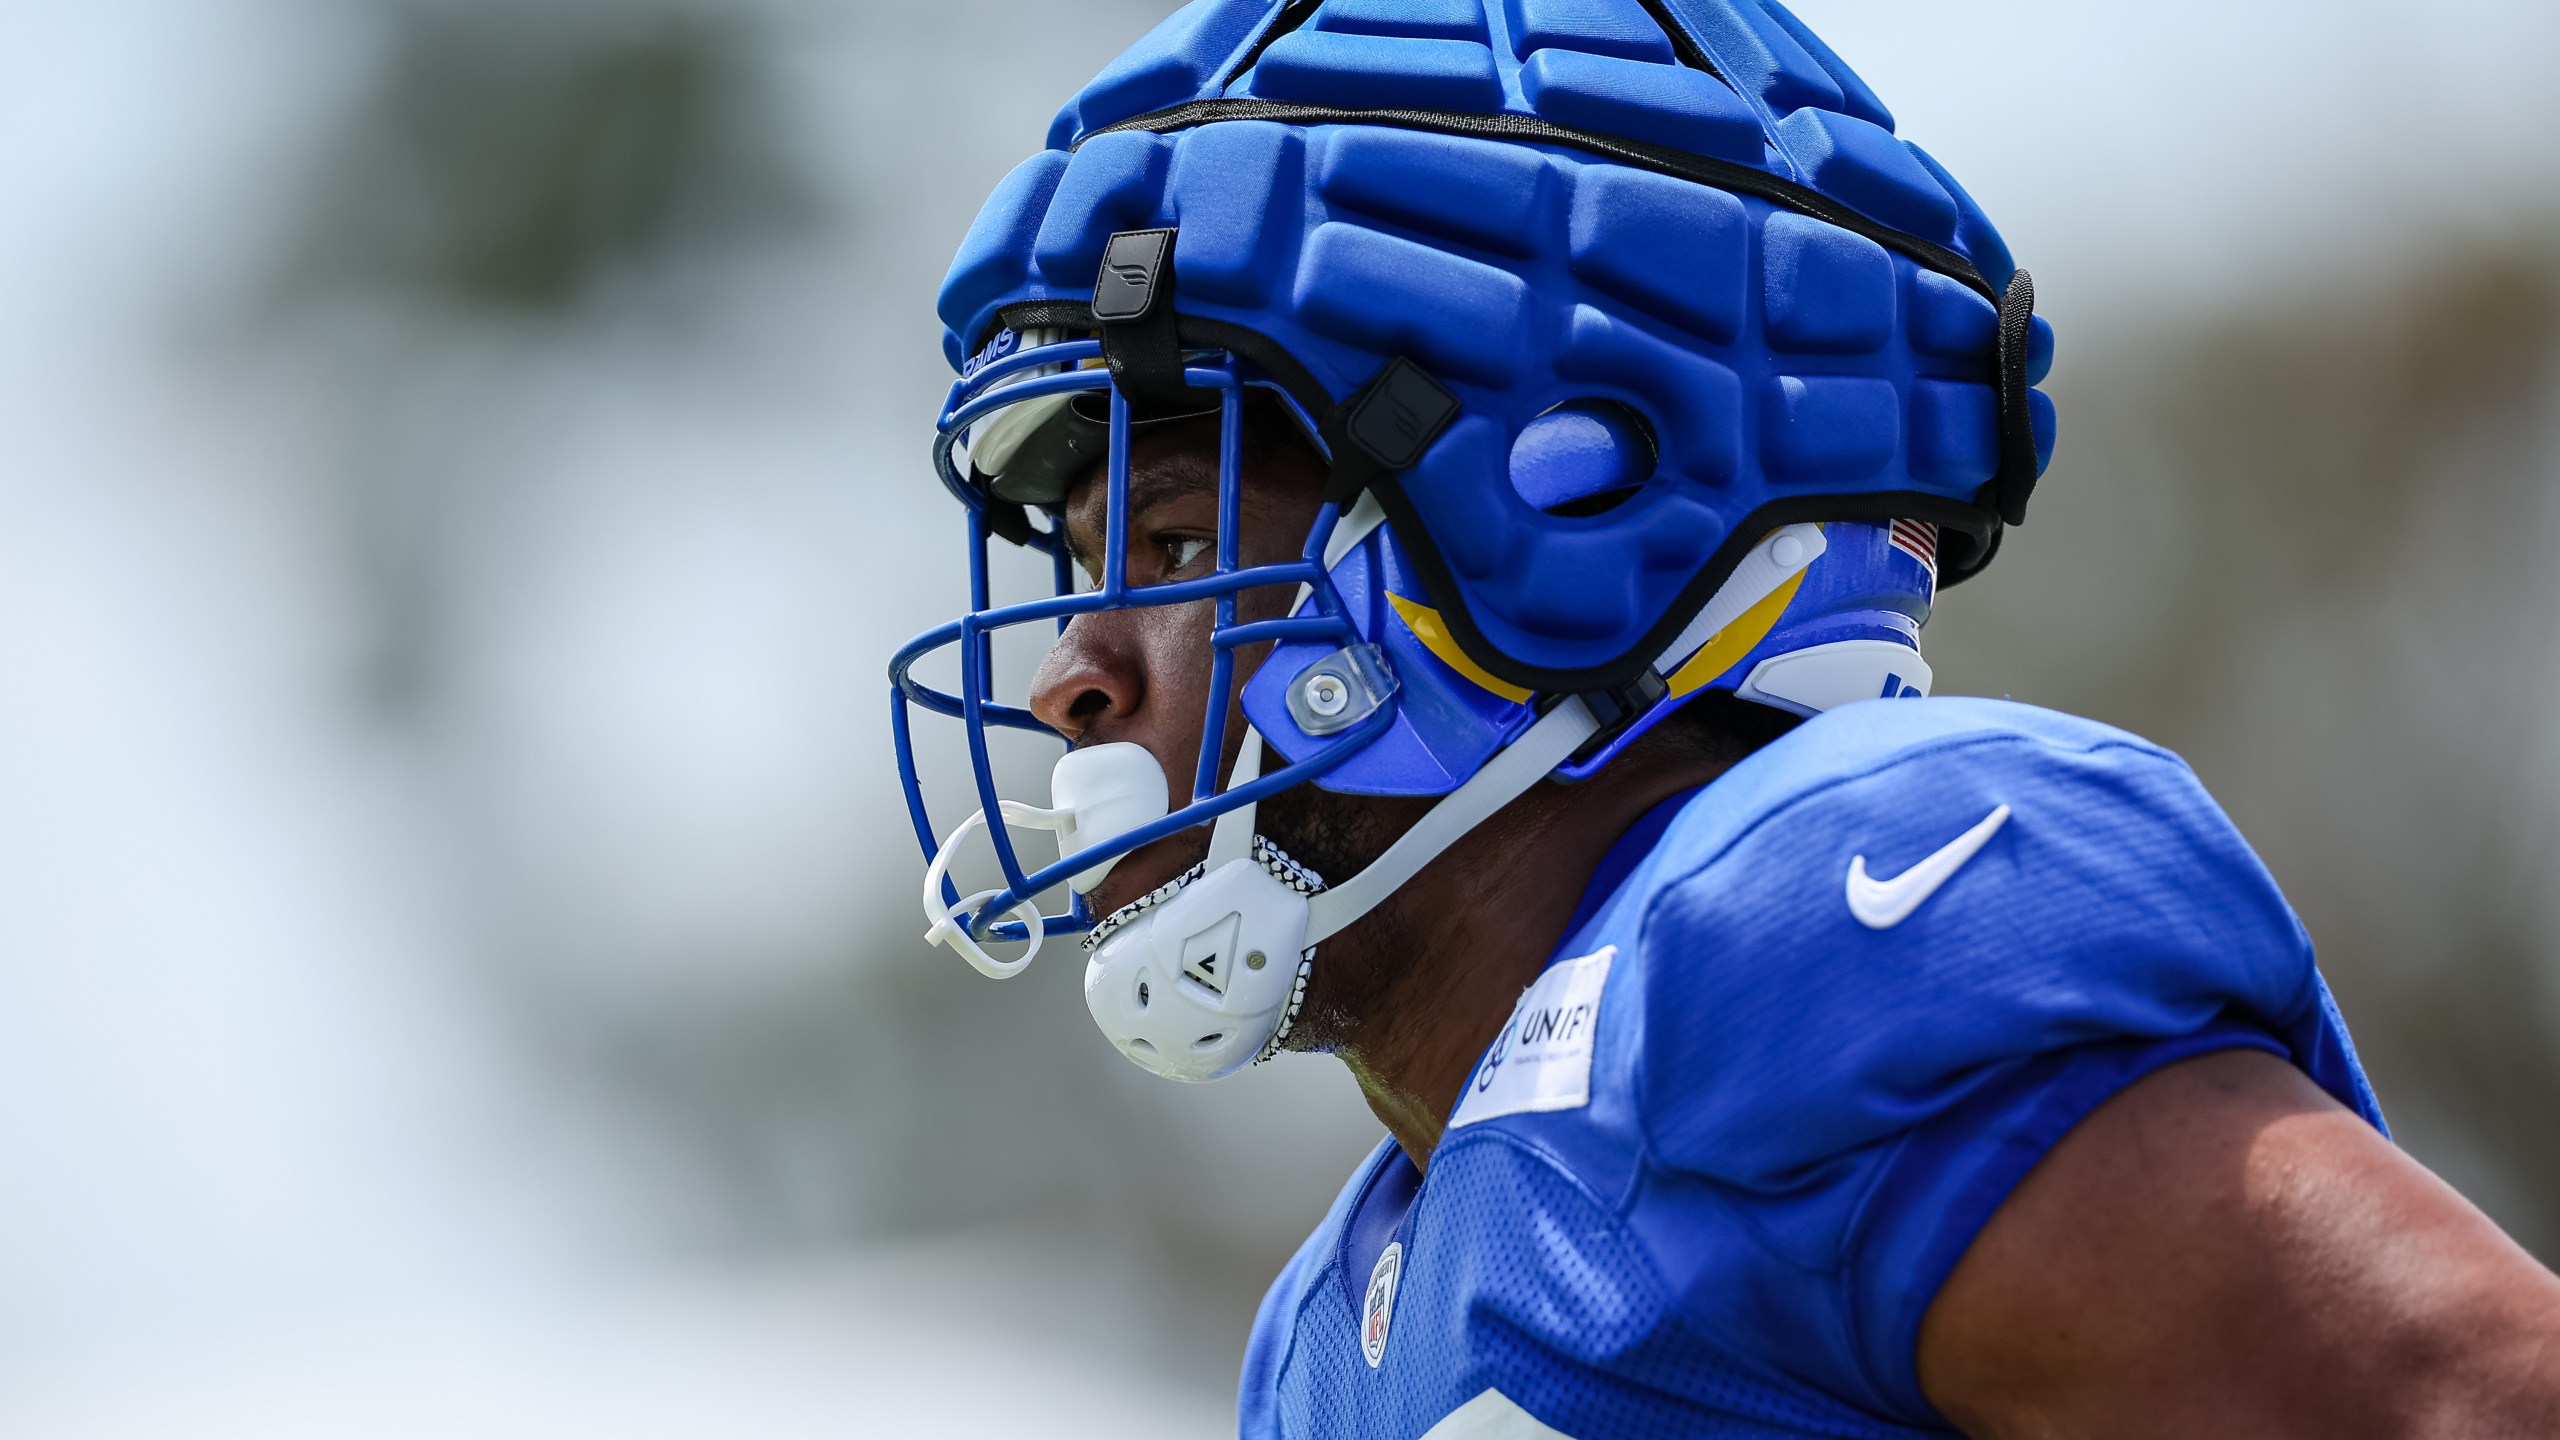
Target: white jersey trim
{"x":1492,"y":1415}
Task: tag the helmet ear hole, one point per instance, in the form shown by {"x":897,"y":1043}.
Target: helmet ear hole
{"x":1583,"y":457}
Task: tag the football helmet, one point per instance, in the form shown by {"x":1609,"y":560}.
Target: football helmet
{"x":1646,"y":361}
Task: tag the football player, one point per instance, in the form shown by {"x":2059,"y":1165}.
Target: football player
{"x":1495,"y":461}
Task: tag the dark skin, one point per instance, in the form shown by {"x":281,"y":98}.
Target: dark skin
{"x":1410,"y":996}
{"x":2221,"y":1249}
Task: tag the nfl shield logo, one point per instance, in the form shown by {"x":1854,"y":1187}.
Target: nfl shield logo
{"x":1380,"y":1306}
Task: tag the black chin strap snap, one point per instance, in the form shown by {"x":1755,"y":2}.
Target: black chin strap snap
{"x":1133,"y":308}
{"x":2017,"y":478}
{"x":1382,"y":429}
{"x":1385,"y":427}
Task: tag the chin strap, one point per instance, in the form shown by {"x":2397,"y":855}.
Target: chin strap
{"x":1356,"y":525}
{"x":1522,"y":764}
{"x":1232,"y":838}
{"x":1207,"y":974}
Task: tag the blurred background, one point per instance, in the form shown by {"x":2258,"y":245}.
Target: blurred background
{"x":462,"y":468}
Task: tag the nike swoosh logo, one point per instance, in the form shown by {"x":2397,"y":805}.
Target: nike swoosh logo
{"x":1883,"y":904}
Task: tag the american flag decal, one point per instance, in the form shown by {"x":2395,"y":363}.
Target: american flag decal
{"x":1919,"y":540}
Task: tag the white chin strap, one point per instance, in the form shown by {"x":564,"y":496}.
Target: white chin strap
{"x":1205,"y":976}
{"x":1100,"y":792}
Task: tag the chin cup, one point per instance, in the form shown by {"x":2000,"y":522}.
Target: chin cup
{"x":1200,"y":985}
{"x":1204,"y":975}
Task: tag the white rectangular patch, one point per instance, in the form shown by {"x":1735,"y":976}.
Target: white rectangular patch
{"x":1542,"y":1058}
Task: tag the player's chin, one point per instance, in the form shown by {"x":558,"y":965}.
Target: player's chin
{"x":1146,"y":868}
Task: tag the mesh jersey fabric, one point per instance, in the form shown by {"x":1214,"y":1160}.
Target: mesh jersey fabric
{"x":1796,"y":1123}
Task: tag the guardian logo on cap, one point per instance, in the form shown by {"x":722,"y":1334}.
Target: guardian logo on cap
{"x":1131,"y":267}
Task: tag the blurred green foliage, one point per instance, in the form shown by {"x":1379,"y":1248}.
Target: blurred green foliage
{"x":514,"y":152}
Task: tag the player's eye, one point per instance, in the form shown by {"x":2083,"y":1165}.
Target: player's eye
{"x":1180,"y":551}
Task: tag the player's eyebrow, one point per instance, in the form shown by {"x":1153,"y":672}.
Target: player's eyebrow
{"x":1148,"y":488}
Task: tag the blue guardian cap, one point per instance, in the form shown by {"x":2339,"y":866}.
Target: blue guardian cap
{"x":1646,"y":360}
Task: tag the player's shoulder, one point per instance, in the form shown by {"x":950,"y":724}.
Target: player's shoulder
{"x":1950,"y":815}
{"x":1828,"y":769}
{"x":1899,"y":897}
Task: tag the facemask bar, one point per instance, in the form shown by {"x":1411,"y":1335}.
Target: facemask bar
{"x":1065,"y":368}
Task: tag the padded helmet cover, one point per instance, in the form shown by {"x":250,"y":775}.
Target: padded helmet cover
{"x":1516,"y":195}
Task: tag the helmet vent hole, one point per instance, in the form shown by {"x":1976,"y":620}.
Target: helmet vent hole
{"x":1600,"y":504}
{"x":1143,"y":995}
{"x":1583,"y":457}
{"x":1208,"y":1042}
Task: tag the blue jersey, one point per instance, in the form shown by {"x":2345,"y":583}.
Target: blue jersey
{"x":1814,"y":1023}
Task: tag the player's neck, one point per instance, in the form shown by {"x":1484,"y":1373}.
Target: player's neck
{"x":1475,"y":928}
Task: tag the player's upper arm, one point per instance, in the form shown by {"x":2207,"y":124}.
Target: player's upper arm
{"x":2222,"y":1249}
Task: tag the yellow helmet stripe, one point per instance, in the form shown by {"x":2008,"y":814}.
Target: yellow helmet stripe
{"x":1736,"y":640}
{"x":1427,"y":627}
{"x":1712,"y":659}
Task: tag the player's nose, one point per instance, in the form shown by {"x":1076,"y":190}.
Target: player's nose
{"x":1090,"y":678}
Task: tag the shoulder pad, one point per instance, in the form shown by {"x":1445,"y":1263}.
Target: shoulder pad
{"x":1842,"y":942}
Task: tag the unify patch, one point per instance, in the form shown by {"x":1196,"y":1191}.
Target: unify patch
{"x":1542,"y":1059}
